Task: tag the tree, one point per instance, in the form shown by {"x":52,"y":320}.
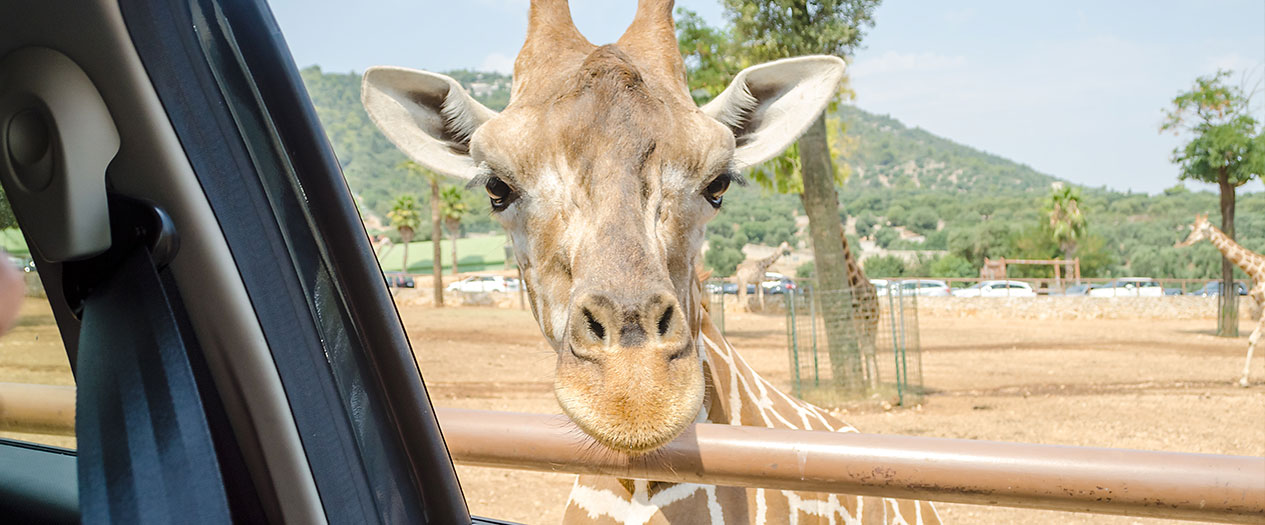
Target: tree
{"x":952,"y":266}
{"x":884,"y":266}
{"x":1226,"y":147}
{"x":773,"y":29}
{"x":724,"y":254}
{"x":436,"y":233}
{"x":865,"y":223}
{"x":923,"y":220}
{"x":405,"y":218}
{"x":1066,"y":220}
{"x":454,"y":208}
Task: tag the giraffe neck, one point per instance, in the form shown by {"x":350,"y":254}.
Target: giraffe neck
{"x":1251,"y":263}
{"x":766,"y":262}
{"x":856,"y":275}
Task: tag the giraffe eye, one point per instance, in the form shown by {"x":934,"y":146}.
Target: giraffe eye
{"x":715,"y":190}
{"x":500,"y":193}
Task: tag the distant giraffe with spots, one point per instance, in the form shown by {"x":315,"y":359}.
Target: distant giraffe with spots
{"x":1253,"y":264}
{"x":752,"y":271}
{"x":864,"y":309}
{"x":604,"y":173}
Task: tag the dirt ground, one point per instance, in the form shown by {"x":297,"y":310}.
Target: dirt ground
{"x":1132,"y":384}
{"x":1110,"y":383}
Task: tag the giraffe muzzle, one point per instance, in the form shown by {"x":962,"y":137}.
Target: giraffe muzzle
{"x":630,"y":377}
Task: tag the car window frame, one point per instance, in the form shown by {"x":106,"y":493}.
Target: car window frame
{"x":416,"y":481}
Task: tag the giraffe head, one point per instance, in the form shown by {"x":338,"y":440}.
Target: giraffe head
{"x":1200,"y":230}
{"x":604,"y":172}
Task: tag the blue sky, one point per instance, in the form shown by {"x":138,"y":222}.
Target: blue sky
{"x":1074,"y":88}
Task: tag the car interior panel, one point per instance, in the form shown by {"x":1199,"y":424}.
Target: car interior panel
{"x":237,"y":356}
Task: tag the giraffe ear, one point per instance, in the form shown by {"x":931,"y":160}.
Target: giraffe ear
{"x":770,"y":105}
{"x":429,"y":116}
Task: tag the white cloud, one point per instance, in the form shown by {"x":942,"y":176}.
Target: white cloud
{"x":897,"y":62}
{"x":497,"y":62}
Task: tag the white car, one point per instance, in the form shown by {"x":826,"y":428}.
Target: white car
{"x":924,"y":288}
{"x":880,"y":286}
{"x":484,"y":283}
{"x":997,"y":289}
{"x":1129,"y":287}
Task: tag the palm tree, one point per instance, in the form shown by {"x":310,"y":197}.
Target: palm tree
{"x":1067,"y":221}
{"x":454,"y":208}
{"x":436,"y":234}
{"x":405,"y":219}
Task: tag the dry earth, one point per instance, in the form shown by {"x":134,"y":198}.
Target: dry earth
{"x":1144,"y":384}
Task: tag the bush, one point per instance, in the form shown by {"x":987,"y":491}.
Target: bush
{"x":885,"y":237}
{"x":865,"y":224}
{"x":805,"y":271}
{"x":953,"y":266}
{"x":923,"y":220}
{"x":884,"y":266}
{"x":723,"y":255}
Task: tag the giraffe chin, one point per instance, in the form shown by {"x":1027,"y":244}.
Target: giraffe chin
{"x":633,"y":422}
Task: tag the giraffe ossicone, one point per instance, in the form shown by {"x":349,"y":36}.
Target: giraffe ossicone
{"x":1252,"y":263}
{"x":604,"y":172}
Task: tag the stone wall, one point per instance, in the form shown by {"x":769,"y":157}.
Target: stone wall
{"x":1170,"y":307}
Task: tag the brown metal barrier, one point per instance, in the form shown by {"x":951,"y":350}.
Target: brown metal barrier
{"x":37,"y":409}
{"x":1229,"y":489}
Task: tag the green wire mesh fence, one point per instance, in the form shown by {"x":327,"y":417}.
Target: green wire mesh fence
{"x":843,"y":347}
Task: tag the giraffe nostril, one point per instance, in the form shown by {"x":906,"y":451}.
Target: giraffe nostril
{"x":665,"y":321}
{"x":598,"y":330}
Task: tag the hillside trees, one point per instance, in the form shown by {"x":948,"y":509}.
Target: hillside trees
{"x":1226,"y":147}
{"x":405,"y":218}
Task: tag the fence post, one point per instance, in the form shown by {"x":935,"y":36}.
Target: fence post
{"x":796,"y":388}
{"x":812,"y":319}
{"x":902,"y":374}
{"x":722,"y":309}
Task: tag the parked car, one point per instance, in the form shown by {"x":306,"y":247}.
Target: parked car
{"x":924,"y":287}
{"x":997,"y":289}
{"x":484,"y":283}
{"x":1213,"y":289}
{"x":399,"y":280}
{"x":1129,"y":287}
{"x":1078,"y":289}
{"x":1173,"y":291}
{"x":880,"y":286}
{"x":776,"y":283}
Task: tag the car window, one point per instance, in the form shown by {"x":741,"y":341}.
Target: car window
{"x":31,"y":352}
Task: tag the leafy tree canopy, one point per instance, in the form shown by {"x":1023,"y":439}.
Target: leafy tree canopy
{"x":1225,"y":139}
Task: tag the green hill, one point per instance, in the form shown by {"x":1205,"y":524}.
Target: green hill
{"x":886,"y":155}
{"x":889,"y":155}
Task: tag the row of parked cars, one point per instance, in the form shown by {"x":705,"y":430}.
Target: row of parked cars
{"x":1122,"y":287}
{"x":776,"y":283}
{"x":473,"y":284}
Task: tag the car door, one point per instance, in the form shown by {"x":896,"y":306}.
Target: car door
{"x":236,"y":351}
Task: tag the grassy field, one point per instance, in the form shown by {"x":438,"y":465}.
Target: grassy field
{"x":12,"y":241}
{"x":475,"y":253}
